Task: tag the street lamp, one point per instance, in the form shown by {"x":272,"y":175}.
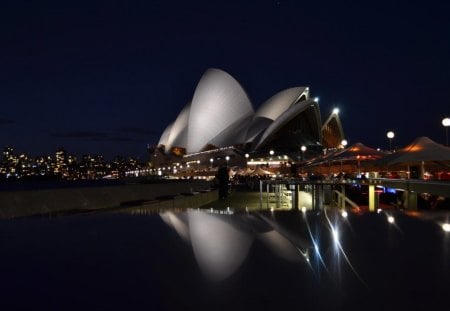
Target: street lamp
{"x":227,"y":158}
{"x":446,"y":124}
{"x":303,"y":149}
{"x":390,"y":135}
{"x":211,"y":160}
{"x":344,"y":143}
{"x":246,"y":159}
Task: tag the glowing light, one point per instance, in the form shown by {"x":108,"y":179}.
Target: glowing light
{"x":247,"y":155}
{"x":390,"y":219}
{"x":379,"y":211}
{"x":344,"y":142}
{"x":303,"y":148}
{"x":335,"y":233}
{"x":271,"y":152}
{"x":446,"y":122}
{"x":335,"y":110}
{"x":303,"y":209}
{"x":316,"y":99}
{"x":344,"y":214}
{"x":390,"y":135}
{"x":446,"y":227}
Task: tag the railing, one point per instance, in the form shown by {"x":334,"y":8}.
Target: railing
{"x":273,"y":189}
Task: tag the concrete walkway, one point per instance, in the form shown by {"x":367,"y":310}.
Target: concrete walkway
{"x":239,"y":200}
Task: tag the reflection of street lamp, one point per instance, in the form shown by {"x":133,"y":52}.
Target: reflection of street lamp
{"x":211,"y":160}
{"x":390,"y":135}
{"x":227,"y":158}
{"x":446,"y":124}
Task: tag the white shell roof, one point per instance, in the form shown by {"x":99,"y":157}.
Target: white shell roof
{"x":280,"y":102}
{"x":272,"y":108}
{"x":288,"y":115}
{"x":165,"y":135}
{"x":218,"y":102}
{"x":178,"y":133}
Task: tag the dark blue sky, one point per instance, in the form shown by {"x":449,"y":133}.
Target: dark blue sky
{"x":108,"y":76}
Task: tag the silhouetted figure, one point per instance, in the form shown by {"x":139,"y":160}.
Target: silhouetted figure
{"x":222,"y":176}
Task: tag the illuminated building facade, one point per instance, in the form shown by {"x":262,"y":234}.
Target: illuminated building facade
{"x":221,"y":116}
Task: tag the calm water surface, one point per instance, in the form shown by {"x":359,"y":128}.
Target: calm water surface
{"x":229,"y":261}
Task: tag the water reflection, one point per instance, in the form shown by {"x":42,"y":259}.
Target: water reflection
{"x":361,"y":258}
{"x":221,"y":241}
{"x":138,"y":260}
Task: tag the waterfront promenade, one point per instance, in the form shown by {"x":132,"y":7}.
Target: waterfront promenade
{"x":158,"y":194}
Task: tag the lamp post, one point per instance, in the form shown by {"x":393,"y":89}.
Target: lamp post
{"x":271,"y":153}
{"x":303,"y":149}
{"x":211,"y":160}
{"x":246,"y":159}
{"x":227,"y":158}
{"x":390,"y":135}
{"x":446,"y":124}
{"x":344,"y":143}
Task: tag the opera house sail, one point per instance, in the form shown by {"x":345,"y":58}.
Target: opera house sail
{"x":221,"y":115}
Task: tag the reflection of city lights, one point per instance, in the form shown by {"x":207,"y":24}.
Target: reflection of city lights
{"x":390,"y":219}
{"x":335,"y":234}
{"x":344,"y":214}
{"x":446,"y":227}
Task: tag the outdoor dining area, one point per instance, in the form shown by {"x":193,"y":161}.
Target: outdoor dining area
{"x":421,"y":159}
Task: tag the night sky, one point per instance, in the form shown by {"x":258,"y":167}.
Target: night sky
{"x":108,"y":76}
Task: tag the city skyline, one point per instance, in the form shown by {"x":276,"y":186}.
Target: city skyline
{"x":107,"y":78}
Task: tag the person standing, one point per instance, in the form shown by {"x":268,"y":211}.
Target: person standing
{"x":223,"y":177}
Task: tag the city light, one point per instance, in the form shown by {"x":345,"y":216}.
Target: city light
{"x":335,"y":234}
{"x":391,"y":219}
{"x":446,"y":227}
{"x":336,"y":111}
{"x":390,"y":135}
{"x":446,"y":124}
{"x":303,"y":149}
{"x":344,"y":214}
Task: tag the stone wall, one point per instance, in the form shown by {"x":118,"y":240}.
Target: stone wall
{"x":26,"y":203}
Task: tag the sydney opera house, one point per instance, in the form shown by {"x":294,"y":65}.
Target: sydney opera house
{"x":221,"y":121}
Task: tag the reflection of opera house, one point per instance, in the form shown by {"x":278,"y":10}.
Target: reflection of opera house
{"x":221,"y":121}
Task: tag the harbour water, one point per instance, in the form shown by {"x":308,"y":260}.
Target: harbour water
{"x":138,"y":259}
